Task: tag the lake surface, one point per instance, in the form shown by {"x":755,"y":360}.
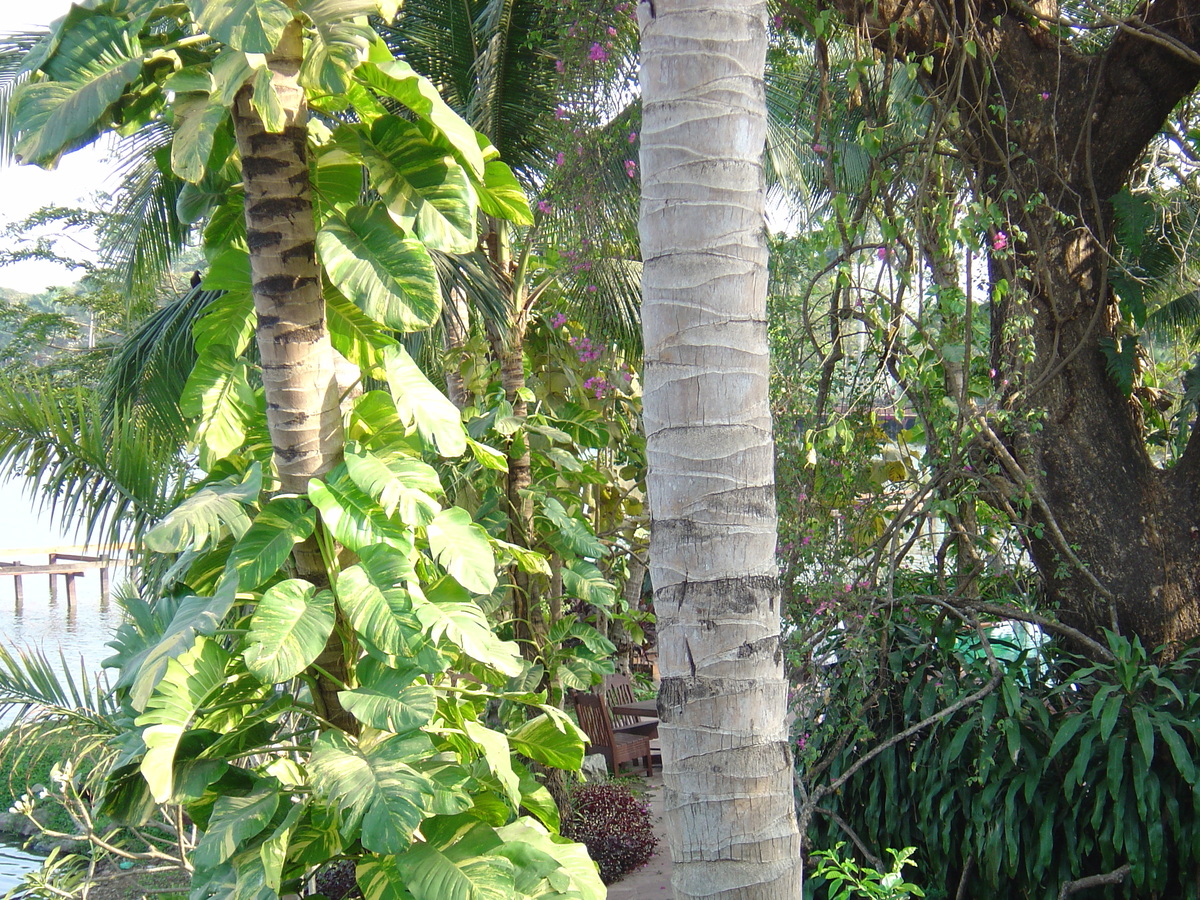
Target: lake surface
{"x":77,"y":631}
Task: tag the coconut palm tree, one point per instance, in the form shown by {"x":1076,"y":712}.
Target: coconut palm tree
{"x":726,"y":763}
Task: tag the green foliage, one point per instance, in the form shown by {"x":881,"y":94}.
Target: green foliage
{"x":1069,"y":767}
{"x":847,"y":879}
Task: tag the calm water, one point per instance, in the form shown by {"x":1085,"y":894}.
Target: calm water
{"x":78,"y":631}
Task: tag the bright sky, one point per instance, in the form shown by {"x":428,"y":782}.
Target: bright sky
{"x":25,"y":189}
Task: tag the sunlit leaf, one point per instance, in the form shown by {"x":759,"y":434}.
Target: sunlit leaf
{"x":289,"y":629}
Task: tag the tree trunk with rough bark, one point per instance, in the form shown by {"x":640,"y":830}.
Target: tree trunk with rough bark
{"x":298,"y":362}
{"x":1052,"y":134}
{"x":726,"y":763}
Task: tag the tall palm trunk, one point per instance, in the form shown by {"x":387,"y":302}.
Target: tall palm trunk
{"x":726,"y":765}
{"x":298,"y":363}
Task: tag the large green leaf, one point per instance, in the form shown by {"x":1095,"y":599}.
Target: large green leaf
{"x":376,"y":784}
{"x":188,"y":682}
{"x":430,"y":874}
{"x":197,"y":119}
{"x":417,"y":400}
{"x":497,"y":753}
{"x":501,"y":195}
{"x":427,"y":191}
{"x":234,"y":821}
{"x":353,"y":517}
{"x":218,"y":395}
{"x":228,"y":320}
{"x":253,"y":26}
{"x":388,"y":699}
{"x":397,"y":79}
{"x":208,"y":515}
{"x":341,"y":37}
{"x":382,"y":616}
{"x":195,"y":616}
{"x":267,"y":544}
{"x":400,"y":485}
{"x":354,"y":334}
{"x":386,"y":273}
{"x":575,"y":534}
{"x":289,"y":629}
{"x":553,"y":741}
{"x":573,"y":858}
{"x":583,"y":580}
{"x":461,"y":547}
{"x":380,"y":879}
{"x":447,"y":611}
{"x":99,"y":58}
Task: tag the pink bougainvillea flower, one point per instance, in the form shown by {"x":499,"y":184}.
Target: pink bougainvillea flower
{"x":632,"y":136}
{"x":559,"y":320}
{"x":597,"y":53}
{"x":560,"y":112}
{"x":544,"y":206}
{"x":1000,"y":241}
{"x":818,"y":148}
{"x":1045,"y":95}
{"x":630,"y":168}
{"x":882,"y":253}
{"x":612,"y":30}
{"x":560,"y":159}
{"x":560,"y":66}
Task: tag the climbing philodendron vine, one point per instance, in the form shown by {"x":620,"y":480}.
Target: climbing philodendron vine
{"x":315,"y":685}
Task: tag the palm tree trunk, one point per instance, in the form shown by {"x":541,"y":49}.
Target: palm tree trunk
{"x":730,"y":812}
{"x":298,"y":363}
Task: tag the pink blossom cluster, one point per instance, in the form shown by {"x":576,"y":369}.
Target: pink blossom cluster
{"x":558,"y":320}
{"x":1000,"y":241}
{"x":598,"y":385}
{"x":630,"y":168}
{"x":584,"y":348}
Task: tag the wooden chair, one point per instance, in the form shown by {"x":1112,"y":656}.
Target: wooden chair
{"x":617,"y":747}
{"x":618,"y":689}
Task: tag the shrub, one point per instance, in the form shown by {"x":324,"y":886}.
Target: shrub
{"x":614,"y":825}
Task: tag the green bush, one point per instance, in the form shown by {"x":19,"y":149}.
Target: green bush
{"x":1068,"y":768}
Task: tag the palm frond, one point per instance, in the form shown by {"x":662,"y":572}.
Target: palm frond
{"x":106,"y":478}
{"x":143,"y":234}
{"x":13,"y":49}
{"x":145,"y":379}
{"x":31,"y":686}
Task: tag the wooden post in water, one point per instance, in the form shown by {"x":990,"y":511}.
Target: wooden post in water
{"x":104,"y":586}
{"x":19,"y":594}
{"x":53,"y":581}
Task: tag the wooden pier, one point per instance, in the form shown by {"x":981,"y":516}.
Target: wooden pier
{"x":70,"y":565}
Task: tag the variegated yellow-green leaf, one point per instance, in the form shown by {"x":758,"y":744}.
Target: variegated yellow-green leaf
{"x":461,"y":547}
{"x":397,"y":79}
{"x":253,"y":26}
{"x":417,"y":400}
{"x":265,"y":547}
{"x":427,"y":191}
{"x":288,"y":631}
{"x":234,"y":821}
{"x":401,"y":485}
{"x":377,"y":786}
{"x":431,"y":874}
{"x":218,"y":395}
{"x":501,"y":195}
{"x":390,"y":699}
{"x":354,"y":334}
{"x":447,"y":612}
{"x":353,"y":517}
{"x":385,"y":272}
{"x":187,"y":684}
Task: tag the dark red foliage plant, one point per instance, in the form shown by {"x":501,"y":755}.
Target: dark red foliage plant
{"x":615,"y":827}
